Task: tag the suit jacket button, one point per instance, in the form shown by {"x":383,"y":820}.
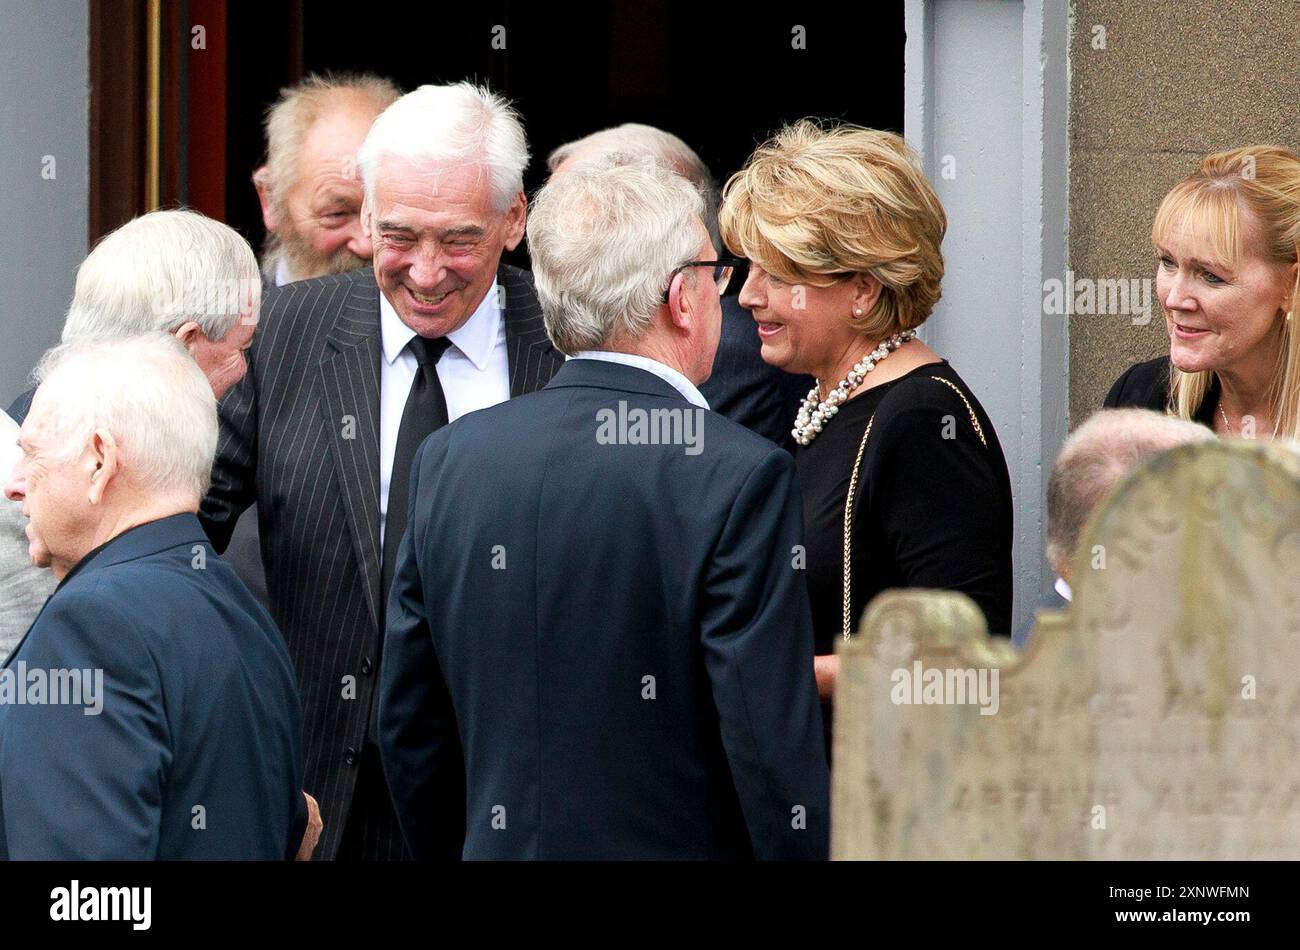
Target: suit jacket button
{"x":367,"y":666}
{"x":350,"y":757}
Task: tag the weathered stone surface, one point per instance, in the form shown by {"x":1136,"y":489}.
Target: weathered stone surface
{"x":1159,"y":717}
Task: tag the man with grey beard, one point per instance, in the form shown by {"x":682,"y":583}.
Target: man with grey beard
{"x":309,"y":188}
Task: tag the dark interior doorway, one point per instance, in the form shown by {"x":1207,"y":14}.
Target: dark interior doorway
{"x":720,"y":81}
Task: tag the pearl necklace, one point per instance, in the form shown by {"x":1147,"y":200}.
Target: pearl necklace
{"x":813,"y":414}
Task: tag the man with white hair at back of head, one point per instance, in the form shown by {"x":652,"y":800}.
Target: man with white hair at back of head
{"x":742,"y":386}
{"x":174,"y":271}
{"x":1093,"y":460}
{"x":633,"y":682}
{"x":169,"y":725}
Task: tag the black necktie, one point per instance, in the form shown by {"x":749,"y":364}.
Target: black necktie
{"x":426,"y":410}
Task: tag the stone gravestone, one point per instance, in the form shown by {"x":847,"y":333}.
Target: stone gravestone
{"x":1157,"y":718}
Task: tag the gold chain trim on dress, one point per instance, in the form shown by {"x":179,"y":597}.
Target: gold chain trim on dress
{"x":846,"y":630}
{"x":973,"y":421}
{"x":848,"y":531}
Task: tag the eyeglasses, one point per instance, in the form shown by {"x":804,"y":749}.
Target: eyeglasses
{"x":723,"y":268}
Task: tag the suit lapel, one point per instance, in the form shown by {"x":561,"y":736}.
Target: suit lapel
{"x":348,"y":383}
{"x":533,"y":360}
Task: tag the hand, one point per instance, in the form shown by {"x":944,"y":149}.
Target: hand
{"x":826,"y":669}
{"x":314,"y":828}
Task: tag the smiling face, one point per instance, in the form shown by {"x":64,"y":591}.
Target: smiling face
{"x":1222,"y":316}
{"x":438,"y":240}
{"x":803,"y":328}
{"x":52,"y":490}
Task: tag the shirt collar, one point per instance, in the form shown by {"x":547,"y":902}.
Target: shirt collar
{"x":662,"y":370}
{"x":475,"y":337}
{"x":281,"y":272}
{"x":1062,"y":588}
{"x":165,"y":532}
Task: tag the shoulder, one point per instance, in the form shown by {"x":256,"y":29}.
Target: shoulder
{"x":518,"y":289}
{"x":509,"y":274}
{"x":299,"y":306}
{"x":90,"y":619}
{"x":1143,"y":385}
{"x":928,"y":394}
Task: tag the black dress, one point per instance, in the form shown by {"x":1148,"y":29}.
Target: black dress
{"x":1146,"y":386}
{"x":932,"y":507}
{"x":933,"y":503}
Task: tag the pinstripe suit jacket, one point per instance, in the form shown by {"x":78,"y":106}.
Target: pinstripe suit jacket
{"x":300,"y":437}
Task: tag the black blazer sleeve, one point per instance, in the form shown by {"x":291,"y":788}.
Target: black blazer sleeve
{"x":944,"y":515}
{"x":756,"y":631}
{"x":418,"y":741}
{"x":233,"y":487}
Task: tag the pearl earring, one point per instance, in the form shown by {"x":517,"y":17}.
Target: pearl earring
{"x":857,"y":312}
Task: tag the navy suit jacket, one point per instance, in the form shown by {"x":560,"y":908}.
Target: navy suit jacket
{"x":196,"y":752}
{"x":606,"y":645}
{"x":743,"y":388}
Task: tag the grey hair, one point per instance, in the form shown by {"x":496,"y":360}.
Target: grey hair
{"x":159,"y":271}
{"x":604,"y":238}
{"x":149,"y":393}
{"x":637,"y":141}
{"x":1105,"y":448}
{"x":461,"y":123}
{"x":299,"y":107}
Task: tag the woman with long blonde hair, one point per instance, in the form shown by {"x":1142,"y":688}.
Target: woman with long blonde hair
{"x":1227,"y":240}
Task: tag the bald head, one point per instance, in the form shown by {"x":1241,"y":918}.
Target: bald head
{"x":1099,"y":453}
{"x":633,"y":142}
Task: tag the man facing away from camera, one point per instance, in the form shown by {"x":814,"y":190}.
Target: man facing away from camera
{"x":596,"y":642}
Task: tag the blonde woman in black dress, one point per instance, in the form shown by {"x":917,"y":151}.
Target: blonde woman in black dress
{"x":843,"y":232}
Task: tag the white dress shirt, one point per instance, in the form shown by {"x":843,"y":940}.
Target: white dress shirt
{"x":662,"y":370}
{"x":474,"y":373}
{"x":1062,"y":588}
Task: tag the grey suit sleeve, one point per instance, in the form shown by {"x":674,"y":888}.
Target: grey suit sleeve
{"x":758,"y":650}
{"x":24,"y":587}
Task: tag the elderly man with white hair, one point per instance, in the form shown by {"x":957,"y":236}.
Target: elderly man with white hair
{"x":151,"y":711}
{"x":1096,"y":456}
{"x":597,"y":594}
{"x":348,"y":377}
{"x":742,"y":386}
{"x":172,"y":271}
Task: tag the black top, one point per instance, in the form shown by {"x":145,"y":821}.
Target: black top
{"x":933,"y":505}
{"x":1146,"y":386}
